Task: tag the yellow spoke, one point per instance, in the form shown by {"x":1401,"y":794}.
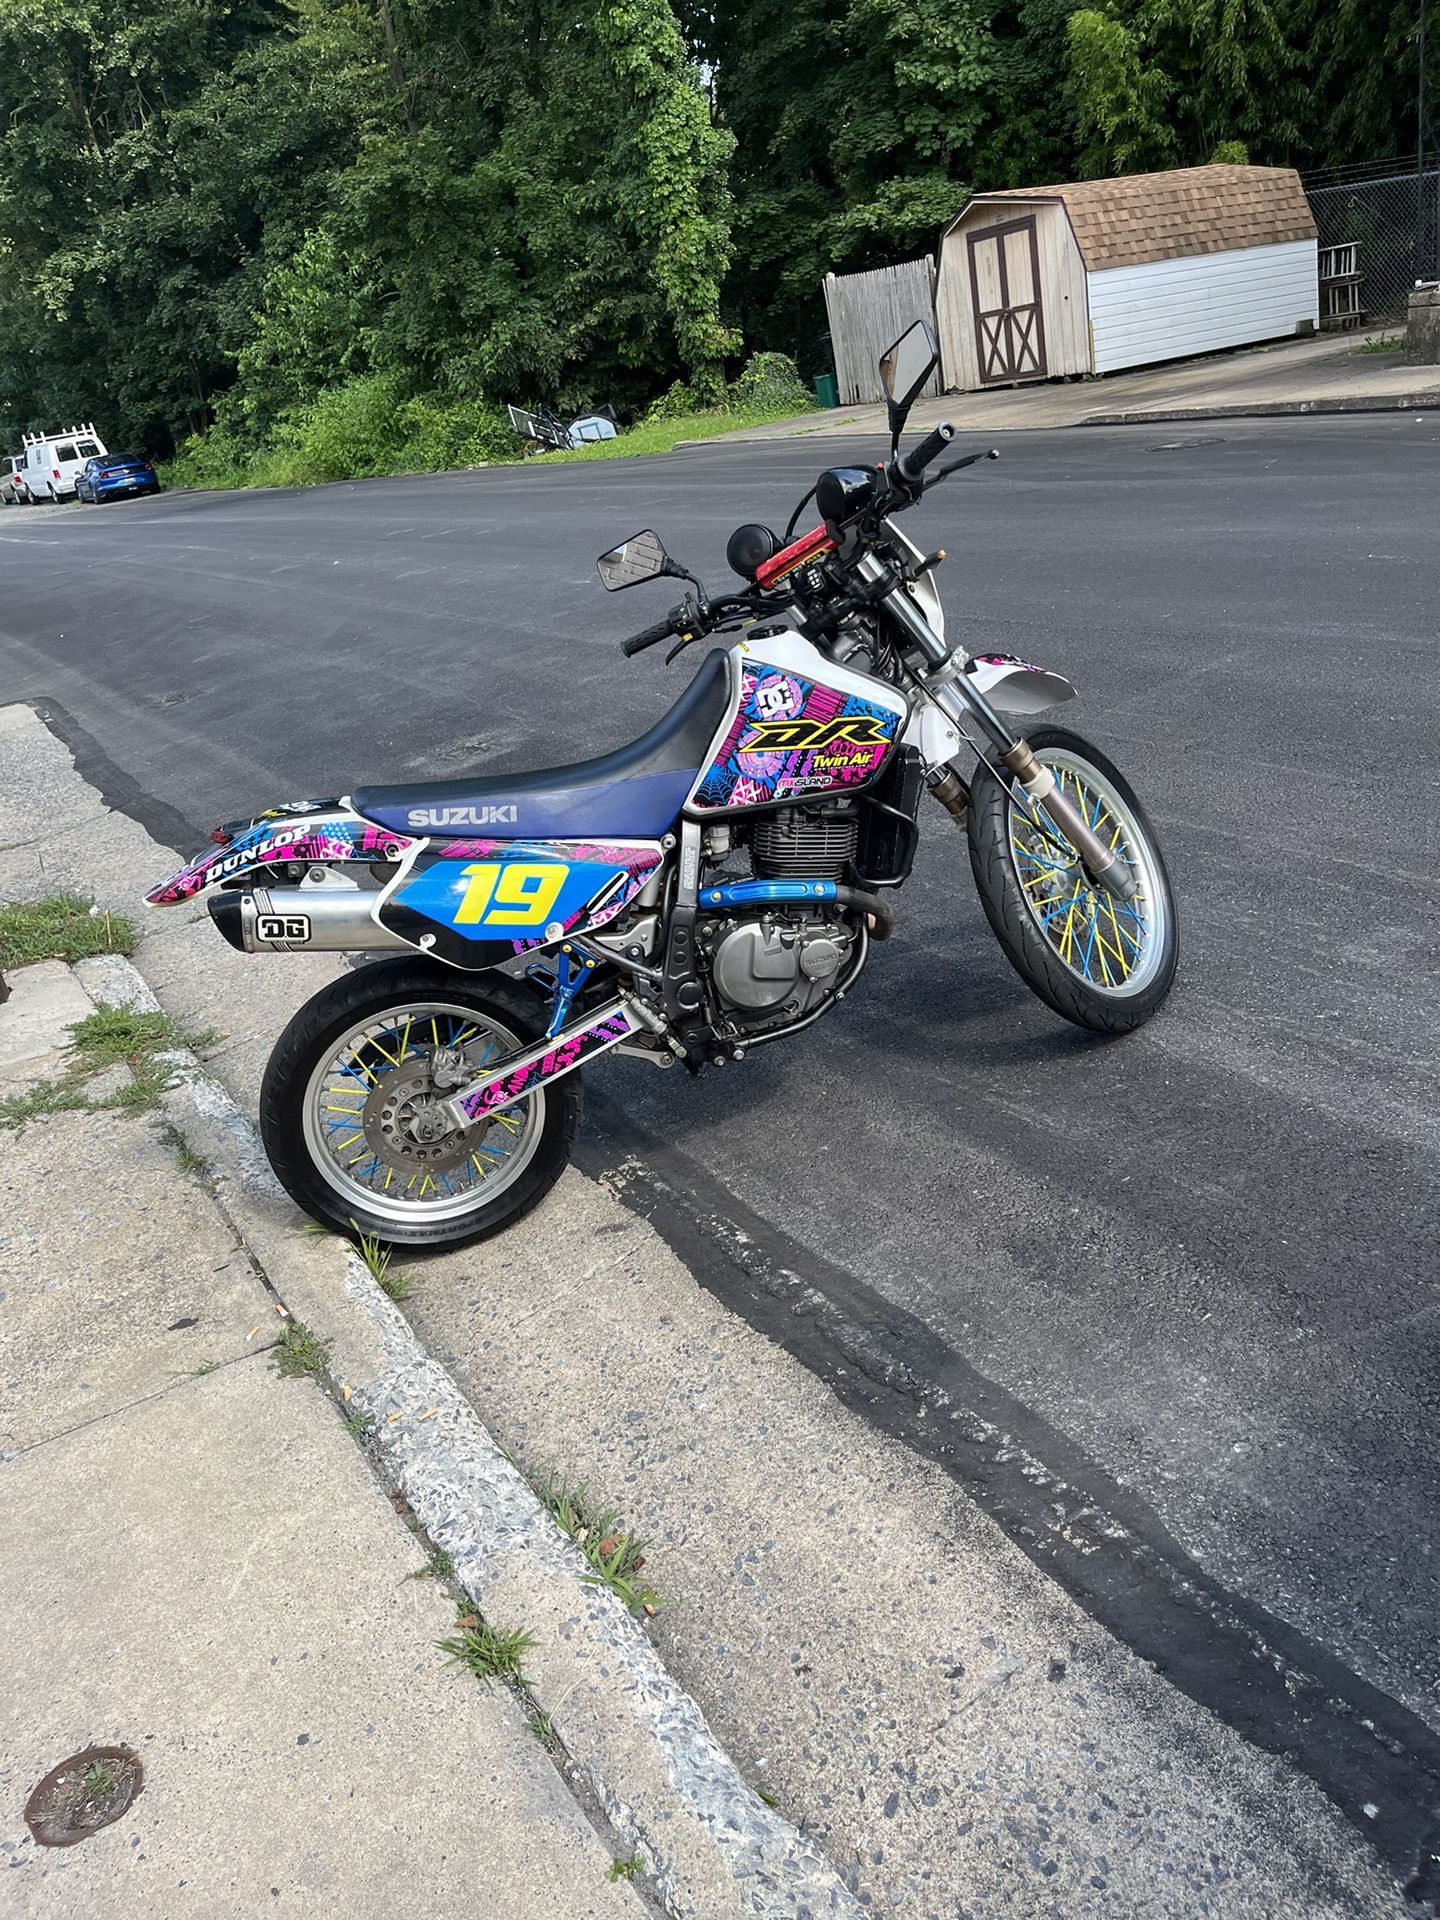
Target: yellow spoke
{"x":405,"y":1038}
{"x":389,"y":1176}
{"x":482,"y":1171}
{"x":354,"y":1112}
{"x":383,"y":1054}
{"x":348,"y":1143}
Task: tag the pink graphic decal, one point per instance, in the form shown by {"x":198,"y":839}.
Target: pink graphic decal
{"x":265,"y":842}
{"x":793,"y":736}
{"x":564,"y":1055}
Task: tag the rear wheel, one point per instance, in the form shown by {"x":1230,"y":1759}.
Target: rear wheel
{"x":348,"y":1108}
{"x":1104,"y":963}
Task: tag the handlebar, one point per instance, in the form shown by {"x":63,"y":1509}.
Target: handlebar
{"x":911,"y":465}
{"x":664,"y":629}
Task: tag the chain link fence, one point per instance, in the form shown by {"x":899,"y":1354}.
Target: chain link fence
{"x":1379,"y":225}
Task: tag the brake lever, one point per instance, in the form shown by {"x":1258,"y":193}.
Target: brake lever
{"x":990,"y":453}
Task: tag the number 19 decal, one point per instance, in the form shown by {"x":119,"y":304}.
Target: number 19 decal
{"x":510,"y":893}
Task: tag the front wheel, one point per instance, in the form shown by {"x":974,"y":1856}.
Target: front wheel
{"x":1104,"y":963}
{"x":348,"y":1108}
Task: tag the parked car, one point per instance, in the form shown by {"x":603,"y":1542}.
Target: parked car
{"x":53,"y":460}
{"x":111,"y":474}
{"x":12,"y":486}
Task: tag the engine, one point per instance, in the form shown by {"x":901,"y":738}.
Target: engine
{"x":776,"y":966}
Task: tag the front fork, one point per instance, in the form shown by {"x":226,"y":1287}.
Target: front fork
{"x":960,"y":701}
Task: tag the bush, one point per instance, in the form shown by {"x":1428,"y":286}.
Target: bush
{"x":674,"y":404}
{"x":770,"y":383}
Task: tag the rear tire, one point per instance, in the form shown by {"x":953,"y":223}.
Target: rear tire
{"x":337,"y":1056}
{"x":1105,"y":965}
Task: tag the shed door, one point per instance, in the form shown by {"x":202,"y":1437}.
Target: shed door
{"x":1005,"y":290}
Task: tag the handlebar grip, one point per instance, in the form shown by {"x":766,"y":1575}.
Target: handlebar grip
{"x":651,"y":637}
{"x":914,"y":463}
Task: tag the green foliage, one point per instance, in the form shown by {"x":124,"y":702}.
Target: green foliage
{"x":64,"y":927}
{"x":490,"y":1653}
{"x":770,"y":383}
{"x":302,"y":239}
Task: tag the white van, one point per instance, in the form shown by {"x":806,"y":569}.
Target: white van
{"x":52,"y":460}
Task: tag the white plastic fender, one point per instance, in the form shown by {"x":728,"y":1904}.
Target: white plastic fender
{"x":1015,"y":686}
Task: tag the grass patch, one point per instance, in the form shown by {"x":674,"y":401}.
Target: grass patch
{"x":298,"y":1351}
{"x":490,"y":1653}
{"x":396,"y":1283}
{"x":109,"y":1037}
{"x":64,"y":927}
{"x":17,"y":1110}
{"x":662,"y":436}
{"x":1383,"y":343}
{"x":542,"y":1726}
{"x":614,"y":1556}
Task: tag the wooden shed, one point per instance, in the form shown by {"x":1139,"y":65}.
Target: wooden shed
{"x":1038,"y":282}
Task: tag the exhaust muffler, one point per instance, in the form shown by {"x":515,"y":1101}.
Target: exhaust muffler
{"x":302,"y":920}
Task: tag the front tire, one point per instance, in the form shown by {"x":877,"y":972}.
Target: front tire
{"x":1104,"y":964}
{"x":350,"y":1070}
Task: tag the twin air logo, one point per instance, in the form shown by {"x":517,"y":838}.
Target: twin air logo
{"x":462,"y":816}
{"x":802,"y":735}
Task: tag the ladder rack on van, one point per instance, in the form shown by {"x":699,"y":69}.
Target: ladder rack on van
{"x":64,"y":433}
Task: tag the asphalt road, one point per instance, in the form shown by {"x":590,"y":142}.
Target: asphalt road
{"x":1203,"y":1258}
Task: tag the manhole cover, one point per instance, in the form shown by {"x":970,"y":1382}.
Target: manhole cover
{"x":83,"y":1794}
{"x":1174,"y":446}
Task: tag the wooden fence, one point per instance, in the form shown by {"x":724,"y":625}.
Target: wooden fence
{"x":870,"y":310}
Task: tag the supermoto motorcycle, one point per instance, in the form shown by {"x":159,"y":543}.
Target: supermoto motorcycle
{"x":711,"y":888}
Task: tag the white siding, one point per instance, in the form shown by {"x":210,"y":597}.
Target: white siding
{"x":1168,"y":309}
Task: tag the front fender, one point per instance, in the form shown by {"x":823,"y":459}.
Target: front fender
{"x":1015,"y":686}
{"x":304,"y":832}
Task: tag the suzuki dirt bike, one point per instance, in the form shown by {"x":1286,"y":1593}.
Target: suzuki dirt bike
{"x":711,"y":888}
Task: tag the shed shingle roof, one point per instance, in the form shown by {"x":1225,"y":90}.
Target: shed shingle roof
{"x":1141,"y":217}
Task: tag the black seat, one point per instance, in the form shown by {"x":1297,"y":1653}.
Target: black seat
{"x":635,"y":793}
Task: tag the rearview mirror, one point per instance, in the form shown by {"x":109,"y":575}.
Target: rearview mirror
{"x":904,"y":369}
{"x":641,"y":557}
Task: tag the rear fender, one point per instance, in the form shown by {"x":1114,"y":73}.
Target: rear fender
{"x":306,"y":832}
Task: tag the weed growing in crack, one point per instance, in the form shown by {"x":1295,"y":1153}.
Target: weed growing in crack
{"x":490,"y":1653}
{"x":439,"y":1566}
{"x":542,"y":1726}
{"x":614,"y":1556}
{"x":109,"y":1037}
{"x":359,"y":1426}
{"x":298,"y":1351}
{"x":624,"y":1869}
{"x":396,"y":1283}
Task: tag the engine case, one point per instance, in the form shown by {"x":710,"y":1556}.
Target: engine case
{"x":770,"y":966}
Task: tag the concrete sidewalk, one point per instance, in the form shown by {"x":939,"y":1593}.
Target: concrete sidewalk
{"x":1326,"y":374}
{"x":200,"y":1566}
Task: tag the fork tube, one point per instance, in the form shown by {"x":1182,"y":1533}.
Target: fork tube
{"x":959,"y":699}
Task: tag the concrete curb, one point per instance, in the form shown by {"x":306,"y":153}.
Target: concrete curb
{"x":713,"y":1847}
{"x":1268,"y":409}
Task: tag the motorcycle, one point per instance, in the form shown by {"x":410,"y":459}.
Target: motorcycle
{"x":713,"y":887}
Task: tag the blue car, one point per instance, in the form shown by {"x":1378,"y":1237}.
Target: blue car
{"x":111,"y":474}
